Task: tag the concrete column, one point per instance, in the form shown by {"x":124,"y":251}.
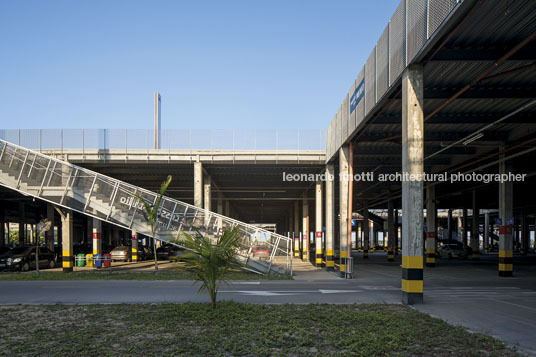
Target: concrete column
{"x":198,"y":184}
{"x":525,"y":239}
{"x":344,"y":154}
{"x":296,"y":229}
{"x":449,"y":225}
{"x":134,"y":242}
{"x":220,"y":211}
{"x":390,"y":232}
{"x":366,"y":230}
{"x":227,"y":208}
{"x":305,"y":228}
{"x":115,"y":236}
{"x":67,"y":239}
{"x":97,"y":236}
{"x":2,"y":227}
{"x":431,"y":217}
{"x":318,"y":230}
{"x":330,"y":208}
{"x":475,"y":230}
{"x":22,"y":223}
{"x":207,"y":194}
{"x":412,"y":191}
{"x":506,"y":207}
{"x":397,"y":232}
{"x":465,"y":226}
{"x":49,"y":235}
{"x":291,"y":223}
{"x":486,"y":232}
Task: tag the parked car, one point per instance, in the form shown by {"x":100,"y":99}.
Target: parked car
{"x":261,"y":251}
{"x":175,"y":252}
{"x":452,"y":249}
{"x":4,"y":250}
{"x":162,"y":253}
{"x":23,"y":259}
{"x":145,"y":253}
{"x":122,"y":253}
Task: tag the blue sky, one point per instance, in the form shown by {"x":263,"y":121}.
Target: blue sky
{"x":273,"y":64}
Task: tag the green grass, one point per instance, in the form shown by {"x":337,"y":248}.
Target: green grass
{"x":235,"y":329}
{"x":177,"y":272}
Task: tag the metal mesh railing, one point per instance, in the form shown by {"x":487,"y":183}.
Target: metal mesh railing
{"x":114,"y":201}
{"x":411,"y":26}
{"x":171,"y":139}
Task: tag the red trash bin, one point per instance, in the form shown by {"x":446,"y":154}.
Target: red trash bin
{"x":106,"y":260}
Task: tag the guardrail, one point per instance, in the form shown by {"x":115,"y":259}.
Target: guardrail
{"x":171,"y":139}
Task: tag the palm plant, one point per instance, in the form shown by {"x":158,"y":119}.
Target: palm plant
{"x":152,"y":212}
{"x":211,"y":261}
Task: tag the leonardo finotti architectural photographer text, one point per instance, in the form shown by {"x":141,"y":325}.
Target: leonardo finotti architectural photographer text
{"x":406,"y":176}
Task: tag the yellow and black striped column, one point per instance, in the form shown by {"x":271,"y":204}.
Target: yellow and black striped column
{"x":342,"y":270}
{"x":296,"y":246}
{"x":330,"y":263}
{"x":412,"y":280}
{"x":67,"y":240}
{"x":318,"y":250}
{"x":412,"y":189}
{"x":330,"y":208}
{"x":430,"y":246}
{"x":506,"y":262}
{"x":134,"y":246}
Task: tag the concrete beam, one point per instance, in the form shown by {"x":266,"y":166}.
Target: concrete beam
{"x":412,"y":191}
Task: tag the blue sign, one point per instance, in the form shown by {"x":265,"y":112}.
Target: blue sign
{"x":511,"y":221}
{"x":498,"y":221}
{"x":354,"y":222}
{"x":359,"y":92}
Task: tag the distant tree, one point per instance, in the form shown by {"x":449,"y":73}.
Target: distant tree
{"x":13,"y":237}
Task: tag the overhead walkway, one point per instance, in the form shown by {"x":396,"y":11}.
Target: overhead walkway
{"x":90,"y":193}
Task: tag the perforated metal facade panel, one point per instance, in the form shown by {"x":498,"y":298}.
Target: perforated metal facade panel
{"x":438,"y":10}
{"x":370,"y":82}
{"x":416,"y":27}
{"x":360,"y":109}
{"x":397,"y":42}
{"x":352,"y":115}
{"x":382,"y":64}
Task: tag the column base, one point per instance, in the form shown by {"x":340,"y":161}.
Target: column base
{"x":342,"y":274}
{"x":365,"y":254}
{"x":68,"y":270}
{"x":505,"y":273}
{"x":475,"y":257}
{"x":330,"y":268}
{"x":412,"y":298}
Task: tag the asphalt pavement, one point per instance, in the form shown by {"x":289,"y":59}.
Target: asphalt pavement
{"x":465,"y":293}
